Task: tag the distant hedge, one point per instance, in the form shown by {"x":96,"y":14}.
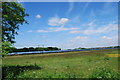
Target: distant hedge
{"x":34,"y":49}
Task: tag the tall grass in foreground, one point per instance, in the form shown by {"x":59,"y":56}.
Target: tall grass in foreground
{"x":20,"y":72}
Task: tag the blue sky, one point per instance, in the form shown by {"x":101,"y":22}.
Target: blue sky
{"x":69,"y":24}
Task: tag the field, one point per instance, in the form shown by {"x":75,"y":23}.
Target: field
{"x":80,"y":64}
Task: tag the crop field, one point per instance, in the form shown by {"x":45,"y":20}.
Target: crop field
{"x":79,"y":64}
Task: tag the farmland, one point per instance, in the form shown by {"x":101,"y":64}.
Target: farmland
{"x":79,"y":64}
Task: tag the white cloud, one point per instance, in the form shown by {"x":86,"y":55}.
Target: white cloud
{"x":56,"y":29}
{"x":91,"y":24}
{"x":20,"y":33}
{"x":85,"y":41}
{"x":53,"y":21}
{"x":80,"y":38}
{"x":56,"y":21}
{"x":107,"y":28}
{"x":63,"y":20}
{"x":38,"y":16}
{"x":41,"y":31}
{"x":112,"y":40}
{"x":72,"y":32}
{"x":106,"y":38}
{"x":103,"y":29}
{"x":78,"y":41}
{"x":62,"y":28}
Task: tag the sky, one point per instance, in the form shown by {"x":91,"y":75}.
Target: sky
{"x":69,"y":25}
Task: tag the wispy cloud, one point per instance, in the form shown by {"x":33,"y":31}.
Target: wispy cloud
{"x":102,"y":29}
{"x":71,"y":6}
{"x":91,"y":24}
{"x":85,"y":7}
{"x":56,"y":21}
{"x":63,"y":20}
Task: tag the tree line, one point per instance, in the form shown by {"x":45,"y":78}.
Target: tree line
{"x":13,"y":49}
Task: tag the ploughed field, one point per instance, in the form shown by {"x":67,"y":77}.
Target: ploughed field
{"x":79,"y":64}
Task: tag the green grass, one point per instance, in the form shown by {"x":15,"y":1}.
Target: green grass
{"x":80,"y":64}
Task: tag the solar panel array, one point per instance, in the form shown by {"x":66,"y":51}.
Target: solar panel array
{"x":55,"y":51}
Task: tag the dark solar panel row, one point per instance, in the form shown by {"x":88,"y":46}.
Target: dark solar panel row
{"x":55,"y":51}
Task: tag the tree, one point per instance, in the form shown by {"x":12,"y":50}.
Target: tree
{"x":13,"y":15}
{"x":6,"y":47}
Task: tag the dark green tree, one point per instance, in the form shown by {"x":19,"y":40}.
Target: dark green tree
{"x":13,"y":15}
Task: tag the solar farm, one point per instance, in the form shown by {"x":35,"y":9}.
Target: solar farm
{"x":55,"y":51}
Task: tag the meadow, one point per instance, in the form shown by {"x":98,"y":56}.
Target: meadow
{"x":79,"y":64}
